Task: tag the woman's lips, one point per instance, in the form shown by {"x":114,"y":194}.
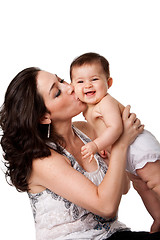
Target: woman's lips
{"x":76,"y":97}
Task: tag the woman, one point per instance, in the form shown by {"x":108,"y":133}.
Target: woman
{"x":70,"y":198}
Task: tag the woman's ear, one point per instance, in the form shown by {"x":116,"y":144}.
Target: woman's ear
{"x":109,"y":82}
{"x":45,"y":119}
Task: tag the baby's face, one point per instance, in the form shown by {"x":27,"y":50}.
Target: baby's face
{"x":90,"y":82}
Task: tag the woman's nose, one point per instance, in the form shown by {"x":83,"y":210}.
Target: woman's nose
{"x":67,"y":87}
{"x":70,"y":89}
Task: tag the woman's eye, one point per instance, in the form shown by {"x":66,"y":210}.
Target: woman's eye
{"x":58,"y":93}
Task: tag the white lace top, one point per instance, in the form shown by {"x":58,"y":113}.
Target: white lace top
{"x":58,"y":218}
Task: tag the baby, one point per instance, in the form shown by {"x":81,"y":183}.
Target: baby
{"x":91,"y":79}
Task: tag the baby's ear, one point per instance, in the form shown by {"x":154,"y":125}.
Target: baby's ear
{"x":109,"y":82}
{"x":45,"y":119}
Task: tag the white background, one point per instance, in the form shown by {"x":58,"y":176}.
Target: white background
{"x":49,"y":34}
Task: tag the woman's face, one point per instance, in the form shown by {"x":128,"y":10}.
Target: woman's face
{"x":58,"y":96}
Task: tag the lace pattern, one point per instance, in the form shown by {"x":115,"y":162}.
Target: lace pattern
{"x":57,"y":218}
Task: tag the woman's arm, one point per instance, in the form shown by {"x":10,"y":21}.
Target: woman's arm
{"x":126,"y":181}
{"x":126,"y":185}
{"x":56,"y":173}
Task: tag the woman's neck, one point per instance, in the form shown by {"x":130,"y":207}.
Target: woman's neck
{"x":65,"y":130}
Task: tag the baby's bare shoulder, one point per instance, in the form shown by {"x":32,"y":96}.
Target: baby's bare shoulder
{"x":111,"y":102}
{"x":109,"y":99}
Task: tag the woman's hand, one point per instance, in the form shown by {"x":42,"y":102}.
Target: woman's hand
{"x":131,"y":127}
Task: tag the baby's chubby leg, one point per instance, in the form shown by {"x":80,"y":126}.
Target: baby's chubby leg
{"x":149,"y":197}
{"x":150,"y":174}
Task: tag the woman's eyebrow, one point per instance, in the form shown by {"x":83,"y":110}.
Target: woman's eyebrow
{"x":58,"y":78}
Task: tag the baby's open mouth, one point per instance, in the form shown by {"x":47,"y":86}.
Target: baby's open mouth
{"x":90,"y":93}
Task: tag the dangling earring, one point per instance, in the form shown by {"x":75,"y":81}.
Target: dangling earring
{"x":49,"y":128}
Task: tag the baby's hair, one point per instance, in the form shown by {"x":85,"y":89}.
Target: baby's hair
{"x":89,"y":58}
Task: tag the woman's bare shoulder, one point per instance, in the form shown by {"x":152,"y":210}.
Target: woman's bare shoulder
{"x":41,"y":167}
{"x":52,"y":159}
{"x":85,"y":128}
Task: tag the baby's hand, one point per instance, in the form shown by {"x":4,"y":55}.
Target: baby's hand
{"x":103,"y":154}
{"x":89,"y":150}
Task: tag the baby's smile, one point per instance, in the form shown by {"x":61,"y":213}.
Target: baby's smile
{"x":90,"y":93}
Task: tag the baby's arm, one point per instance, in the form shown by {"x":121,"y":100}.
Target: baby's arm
{"x":108,"y":109}
{"x":150,"y":200}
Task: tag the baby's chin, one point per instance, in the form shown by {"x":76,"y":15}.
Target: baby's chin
{"x":92,"y":101}
{"x":88,"y":101}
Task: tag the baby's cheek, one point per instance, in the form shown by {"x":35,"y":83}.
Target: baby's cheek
{"x":78,"y":90}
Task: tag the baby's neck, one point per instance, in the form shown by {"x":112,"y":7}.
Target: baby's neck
{"x":88,"y":109}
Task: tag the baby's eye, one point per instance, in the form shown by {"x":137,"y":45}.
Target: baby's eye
{"x":58,"y":93}
{"x":94,"y":79}
{"x":80,"y":81}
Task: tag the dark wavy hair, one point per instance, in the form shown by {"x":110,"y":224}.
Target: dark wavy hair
{"x":89,"y":58}
{"x":23,"y":138}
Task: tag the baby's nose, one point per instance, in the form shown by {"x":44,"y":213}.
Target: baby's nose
{"x":88,"y":84}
